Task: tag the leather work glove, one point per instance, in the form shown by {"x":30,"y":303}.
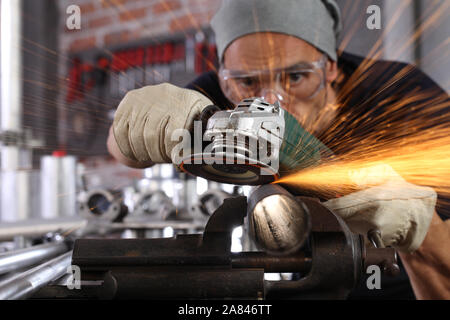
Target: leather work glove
{"x":401,"y":211}
{"x":147,"y":117}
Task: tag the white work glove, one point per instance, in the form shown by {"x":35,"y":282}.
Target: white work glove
{"x":146,"y":118}
{"x":401,"y":211}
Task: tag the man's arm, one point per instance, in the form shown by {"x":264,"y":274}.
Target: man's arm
{"x":114,"y":150}
{"x":429,"y":266}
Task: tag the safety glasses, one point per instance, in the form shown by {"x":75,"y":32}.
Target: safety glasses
{"x":301,"y":81}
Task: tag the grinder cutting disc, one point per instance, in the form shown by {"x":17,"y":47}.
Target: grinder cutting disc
{"x":246,"y":172}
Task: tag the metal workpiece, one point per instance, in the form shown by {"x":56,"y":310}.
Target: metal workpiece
{"x":244,"y":145}
{"x":13,"y":274}
{"x":24,"y":285}
{"x":278,"y":223}
{"x":13,"y":260}
{"x":102,"y":205}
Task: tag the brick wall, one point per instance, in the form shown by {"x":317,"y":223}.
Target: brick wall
{"x":107,"y":27}
{"x":113,"y":22}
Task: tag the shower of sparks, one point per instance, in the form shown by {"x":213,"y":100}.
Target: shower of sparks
{"x":411,"y":133}
{"x":419,"y":161}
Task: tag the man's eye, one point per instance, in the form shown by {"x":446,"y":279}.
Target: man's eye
{"x":247,"y":82}
{"x":295,"y":77}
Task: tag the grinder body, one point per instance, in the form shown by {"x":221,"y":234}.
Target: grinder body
{"x":254,"y":144}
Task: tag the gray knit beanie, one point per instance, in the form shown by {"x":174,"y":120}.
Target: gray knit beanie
{"x":318,"y":22}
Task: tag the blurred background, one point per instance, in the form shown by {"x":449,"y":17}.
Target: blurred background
{"x":60,"y":88}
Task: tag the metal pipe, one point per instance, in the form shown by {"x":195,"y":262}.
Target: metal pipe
{"x":37,"y":227}
{"x":11,"y":65}
{"x":14,"y":192}
{"x":58,"y":186}
{"x":14,"y":260}
{"x":27,"y":283}
{"x":278,"y":223}
{"x":9,"y":276}
{"x":103,"y":205}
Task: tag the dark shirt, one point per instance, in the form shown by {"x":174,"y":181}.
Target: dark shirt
{"x":369,"y":89}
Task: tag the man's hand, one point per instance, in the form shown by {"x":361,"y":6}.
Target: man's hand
{"x":401,"y":211}
{"x":146,"y":118}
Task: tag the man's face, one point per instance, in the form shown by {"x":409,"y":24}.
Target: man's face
{"x":275,"y":51}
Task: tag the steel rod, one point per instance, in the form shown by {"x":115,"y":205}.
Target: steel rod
{"x":37,"y":227}
{"x":17,"y":259}
{"x":27,"y":283}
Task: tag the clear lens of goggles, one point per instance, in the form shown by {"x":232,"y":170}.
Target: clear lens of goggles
{"x":299,"y":82}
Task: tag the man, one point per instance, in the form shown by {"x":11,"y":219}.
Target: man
{"x":286,"y":51}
